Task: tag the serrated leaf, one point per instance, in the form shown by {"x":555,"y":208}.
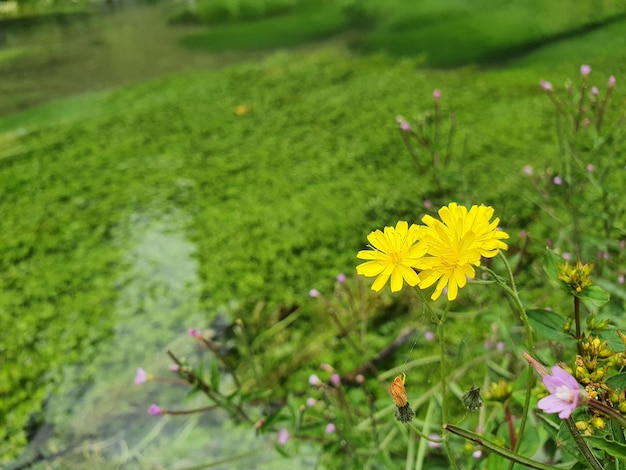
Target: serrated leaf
{"x":549,"y":325}
{"x":596,"y":295}
{"x":617,"y":382}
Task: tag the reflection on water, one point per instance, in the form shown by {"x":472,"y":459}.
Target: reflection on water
{"x":107,"y":424}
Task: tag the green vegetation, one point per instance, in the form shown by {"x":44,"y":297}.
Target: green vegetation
{"x":277,"y":200}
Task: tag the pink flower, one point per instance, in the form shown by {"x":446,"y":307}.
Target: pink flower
{"x":155,"y":410}
{"x":558,"y":180}
{"x":434,"y":445}
{"x":428,"y":204}
{"x":330,"y":428}
{"x":429,"y":336}
{"x":590,"y":167}
{"x":594,"y":90}
{"x":341,"y":278}
{"x":194,"y":333}
{"x":547,"y":86}
{"x":567,"y":255}
{"x":405,"y":126}
{"x":335,"y":379}
{"x":326,"y":367}
{"x":621,"y":279}
{"x":310,"y":402}
{"x":611,"y":82}
{"x":528,"y":170}
{"x":564,"y":393}
{"x":314,"y":380}
{"x":585,"y":70}
{"x":283,"y":436}
{"x":436,"y":94}
{"x":314,"y":293}
{"x":360,"y":378}
{"x":174,"y":367}
{"x":141,"y":376}
{"x":477,"y":454}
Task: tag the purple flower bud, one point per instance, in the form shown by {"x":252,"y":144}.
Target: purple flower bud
{"x":360,"y":378}
{"x":314,"y":293}
{"x":283,"y":436}
{"x":585,"y":70}
{"x":477,"y":454}
{"x":326,"y":367}
{"x":174,"y":367}
{"x":310,"y":402}
{"x":611,"y":82}
{"x":429,"y":336}
{"x":155,"y":410}
{"x":314,"y":380}
{"x":335,"y":379}
{"x":621,"y":279}
{"x":528,"y":170}
{"x":547,"y":86}
{"x":194,"y":333}
{"x":436,"y":94}
{"x":141,"y":376}
{"x":341,"y":278}
{"x":558,"y":180}
{"x":594,"y":90}
{"x":590,"y":167}
{"x":434,"y":445}
{"x":428,"y":204}
{"x":567,"y":256}
{"x":405,"y":126}
{"x":330,"y":428}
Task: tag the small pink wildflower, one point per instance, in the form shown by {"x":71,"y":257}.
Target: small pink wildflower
{"x":155,"y":410}
{"x":314,"y":293}
{"x":330,"y":428}
{"x":436,"y":94}
{"x":585,"y":70}
{"x":314,"y":380}
{"x":590,"y":167}
{"x":174,"y":367}
{"x":141,"y":376}
{"x":335,"y":379}
{"x":360,"y":378}
{"x":429,"y":336}
{"x":611,"y":83}
{"x":547,"y":86}
{"x":434,"y":445}
{"x":567,"y":255}
{"x":621,"y":279}
{"x":341,"y":278}
{"x":326,"y":367}
{"x":594,"y":91}
{"x":194,"y":333}
{"x":558,"y":180}
{"x":283,"y":436}
{"x":477,"y":454}
{"x":528,"y":170}
{"x":564,"y":395}
{"x":405,"y":126}
{"x":310,"y":402}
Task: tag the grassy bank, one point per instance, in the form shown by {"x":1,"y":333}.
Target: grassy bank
{"x":276,"y":198}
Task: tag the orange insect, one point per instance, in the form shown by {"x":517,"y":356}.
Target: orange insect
{"x":404,"y":413}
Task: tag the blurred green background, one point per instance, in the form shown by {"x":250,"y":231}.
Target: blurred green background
{"x":138,"y":200}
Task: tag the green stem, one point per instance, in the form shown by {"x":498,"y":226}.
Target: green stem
{"x":577,"y":322}
{"x":582,"y":445}
{"x":507,"y":454}
{"x":514,"y":294}
{"x":444,"y":386}
{"x":607,"y":410}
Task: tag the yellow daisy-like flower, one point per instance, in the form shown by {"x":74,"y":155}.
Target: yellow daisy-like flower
{"x":394,"y":254}
{"x":456,"y":244}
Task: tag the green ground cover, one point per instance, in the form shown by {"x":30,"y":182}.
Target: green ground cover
{"x":276,"y":201}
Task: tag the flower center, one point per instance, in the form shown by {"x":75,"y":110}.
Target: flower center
{"x":565,"y":393}
{"x":395,"y":258}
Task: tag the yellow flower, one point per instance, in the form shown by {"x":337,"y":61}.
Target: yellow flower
{"x":242,"y":109}
{"x":393,"y":255}
{"x":456,"y":244}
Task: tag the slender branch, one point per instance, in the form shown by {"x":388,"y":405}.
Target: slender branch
{"x":507,"y":454}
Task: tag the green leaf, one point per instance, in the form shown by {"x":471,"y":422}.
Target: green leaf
{"x":613,"y":448}
{"x":551,"y":264}
{"x":596,"y":295}
{"x":549,"y":325}
{"x":215,"y":376}
{"x":617,"y":381}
